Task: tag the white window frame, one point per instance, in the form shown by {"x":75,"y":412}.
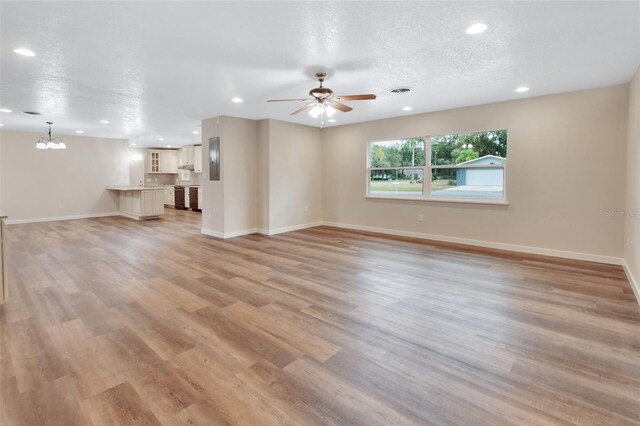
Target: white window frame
{"x":427,"y":173}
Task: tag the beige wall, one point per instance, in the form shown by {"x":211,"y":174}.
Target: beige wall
{"x":632,"y":211}
{"x":263,"y":174}
{"x":230,"y":204}
{"x":239,"y":155}
{"x":1,"y":205}
{"x":213,"y":191}
{"x":44,"y":183}
{"x":271,"y":177}
{"x":295,"y":175}
{"x":566,"y":156}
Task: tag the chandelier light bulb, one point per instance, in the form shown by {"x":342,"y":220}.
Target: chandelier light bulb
{"x":329,"y":110}
{"x":316,"y":111}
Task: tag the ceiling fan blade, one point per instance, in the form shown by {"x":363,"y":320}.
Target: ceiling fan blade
{"x":337,"y":105}
{"x":304,"y":108}
{"x":356,"y":97}
{"x":288,"y":100}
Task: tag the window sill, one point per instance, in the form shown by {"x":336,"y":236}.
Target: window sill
{"x":441,"y":200}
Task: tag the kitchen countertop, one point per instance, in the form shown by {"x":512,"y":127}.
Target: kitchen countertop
{"x":135,"y":188}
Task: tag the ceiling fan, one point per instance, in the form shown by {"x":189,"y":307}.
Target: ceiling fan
{"x":322,"y":100}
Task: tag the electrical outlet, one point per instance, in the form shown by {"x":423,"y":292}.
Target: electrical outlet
{"x":306,"y":208}
{"x":419,"y":218}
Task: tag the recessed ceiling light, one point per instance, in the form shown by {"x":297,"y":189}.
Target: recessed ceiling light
{"x":133,"y":144}
{"x":477,"y":28}
{"x":5,"y":110}
{"x":522,"y":89}
{"x":104,"y":121}
{"x":407,"y":108}
{"x":160,"y":139}
{"x":237,"y":100}
{"x":1,"y":124}
{"x":79,"y":131}
{"x":24,"y":52}
{"x":168,"y":146}
{"x":332,"y":120}
{"x":195,"y":132}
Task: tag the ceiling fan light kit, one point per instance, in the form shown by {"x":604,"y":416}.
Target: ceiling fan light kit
{"x":320,"y":109}
{"x":317,"y":110}
{"x":323,"y":102}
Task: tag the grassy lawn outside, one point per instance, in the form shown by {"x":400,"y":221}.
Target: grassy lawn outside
{"x":395,"y":186}
{"x":407,"y":186}
{"x":440,"y":184}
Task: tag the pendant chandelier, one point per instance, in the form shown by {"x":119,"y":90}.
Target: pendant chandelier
{"x":47,"y":142}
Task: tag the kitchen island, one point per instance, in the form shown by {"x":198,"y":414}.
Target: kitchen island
{"x":140,"y":202}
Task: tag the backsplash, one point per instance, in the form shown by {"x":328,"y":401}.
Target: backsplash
{"x":195,"y":179}
{"x":170,"y":179}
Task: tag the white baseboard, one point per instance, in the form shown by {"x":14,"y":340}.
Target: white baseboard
{"x":632,"y":280}
{"x":240,"y":233}
{"x":57,"y":218}
{"x":212,"y":233}
{"x":290,"y":228}
{"x":457,"y":240}
{"x":141,"y":219}
{"x":486,"y":244}
{"x":259,"y":230}
{"x":226,"y":235}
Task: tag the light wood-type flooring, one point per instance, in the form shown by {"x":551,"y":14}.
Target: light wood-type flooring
{"x":112,"y":321}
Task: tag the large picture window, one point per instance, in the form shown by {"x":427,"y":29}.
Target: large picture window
{"x":397,"y":167}
{"x":455,"y":167}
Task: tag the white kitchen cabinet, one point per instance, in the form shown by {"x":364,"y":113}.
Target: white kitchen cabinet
{"x":181,"y":159}
{"x":140,"y":203}
{"x":197,"y":159}
{"x":148,"y":202}
{"x":169,"y":196}
{"x":152,"y":161}
{"x":168,"y":161}
{"x":152,"y":203}
{"x":186,"y":156}
{"x":158,"y":202}
{"x":161,"y":161}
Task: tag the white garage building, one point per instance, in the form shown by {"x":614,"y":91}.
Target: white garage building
{"x":472,"y":176}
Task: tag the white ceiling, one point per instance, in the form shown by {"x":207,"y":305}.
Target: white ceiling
{"x":156,"y":69}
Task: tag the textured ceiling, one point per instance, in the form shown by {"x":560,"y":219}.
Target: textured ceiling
{"x":155,"y":69}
